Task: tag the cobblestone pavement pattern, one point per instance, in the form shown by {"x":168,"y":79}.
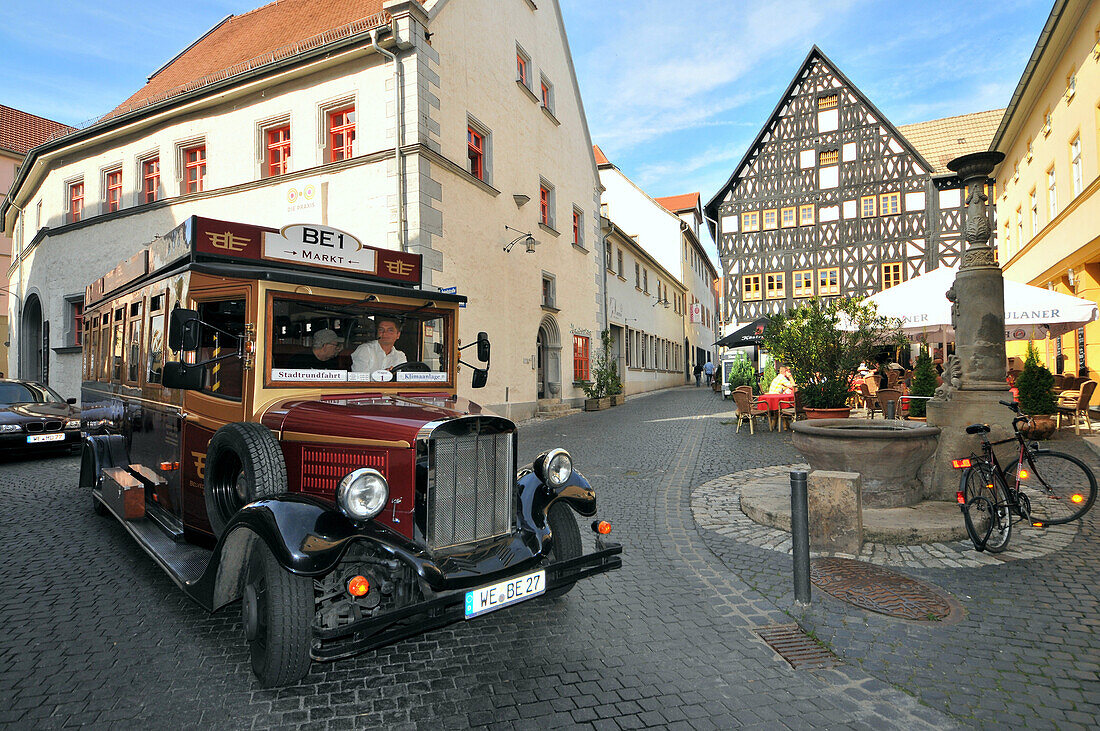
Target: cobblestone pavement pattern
{"x":94,"y":633}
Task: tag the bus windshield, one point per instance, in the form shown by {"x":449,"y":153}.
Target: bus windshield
{"x":355,"y":342}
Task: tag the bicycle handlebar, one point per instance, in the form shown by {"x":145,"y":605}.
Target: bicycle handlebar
{"x":1012,"y":405}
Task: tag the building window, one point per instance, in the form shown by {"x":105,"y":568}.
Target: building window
{"x":637,"y":275}
{"x":867,"y":206}
{"x":580,"y":358}
{"x":1034,"y":213}
{"x":194,"y":169}
{"x":546,"y":94}
{"x":475,"y":153}
{"x":803,"y":283}
{"x":1076,"y":178}
{"x":114,"y":190}
{"x":774,"y":285}
{"x":341,"y":134}
{"x":828,"y":281}
{"x":1071,"y":86}
{"x":806,"y":215}
{"x":76,"y":320}
{"x":549,"y":295}
{"x":278,"y":151}
{"x":645,"y":281}
{"x":786,"y":217}
{"x":1019,"y":228}
{"x":523,"y":65}
{"x":578,"y":234}
{"x":890,"y":204}
{"x":76,"y":201}
{"x":150,"y":180}
{"x":750,"y":221}
{"x":619,"y":262}
{"x":827,"y":102}
{"x":1052,"y":194}
{"x":769,"y":219}
{"x":891,"y":275}
{"x":828,"y":157}
{"x":546,"y":204}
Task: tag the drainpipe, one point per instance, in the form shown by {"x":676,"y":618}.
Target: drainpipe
{"x":397,"y":136}
{"x":21,"y":225}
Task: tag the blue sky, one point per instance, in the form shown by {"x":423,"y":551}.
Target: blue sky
{"x":674,"y":91}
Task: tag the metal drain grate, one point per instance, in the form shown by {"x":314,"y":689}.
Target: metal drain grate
{"x":794,"y":646}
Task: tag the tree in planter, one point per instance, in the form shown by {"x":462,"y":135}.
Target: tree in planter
{"x":824,"y":341}
{"x":924,"y":384}
{"x":1035,"y":385}
{"x":605,"y":373}
{"x":741,"y":372}
{"x":766,"y":378}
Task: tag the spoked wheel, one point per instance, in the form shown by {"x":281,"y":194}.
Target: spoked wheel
{"x":277,"y":610}
{"x":1060,"y":486}
{"x":566,"y":537}
{"x":986,"y":513}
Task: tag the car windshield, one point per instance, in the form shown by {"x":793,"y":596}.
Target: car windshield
{"x":357,"y":342}
{"x":27,"y":393}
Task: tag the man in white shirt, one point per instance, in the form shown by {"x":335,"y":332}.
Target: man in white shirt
{"x":379,"y":354}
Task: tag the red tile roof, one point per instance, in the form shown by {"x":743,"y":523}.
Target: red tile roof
{"x":677,"y":203}
{"x":601,"y":159}
{"x":242,"y":41}
{"x":942,"y":140}
{"x":20,"y":131}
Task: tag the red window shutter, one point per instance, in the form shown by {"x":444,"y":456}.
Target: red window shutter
{"x":544,"y":205}
{"x":278,"y":151}
{"x":475,"y":148}
{"x":114,"y":190}
{"x":150,"y":175}
{"x":194,"y":161}
{"x":341,"y":134}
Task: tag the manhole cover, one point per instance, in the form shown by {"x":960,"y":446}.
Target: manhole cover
{"x":881,"y":590}
{"x":794,"y":646}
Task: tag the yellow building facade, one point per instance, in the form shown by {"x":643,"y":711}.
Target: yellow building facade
{"x":1048,"y":210}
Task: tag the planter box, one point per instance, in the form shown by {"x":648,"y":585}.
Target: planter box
{"x":597,"y":404}
{"x":617,"y":399}
{"x":842,"y":413}
{"x":1041,"y":427}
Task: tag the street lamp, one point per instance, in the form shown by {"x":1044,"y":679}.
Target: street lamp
{"x":527,"y":239}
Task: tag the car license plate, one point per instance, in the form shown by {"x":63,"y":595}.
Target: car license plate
{"x":33,"y":438}
{"x":496,"y":596}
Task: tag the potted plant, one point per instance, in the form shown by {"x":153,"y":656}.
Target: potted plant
{"x":1035,"y":384}
{"x":765,"y":379}
{"x":924,"y":384}
{"x":823,"y":342}
{"x":741,"y":373}
{"x":605,"y":388}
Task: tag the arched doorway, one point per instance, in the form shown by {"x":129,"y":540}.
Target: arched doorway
{"x":30,"y":341}
{"x":548,"y":355}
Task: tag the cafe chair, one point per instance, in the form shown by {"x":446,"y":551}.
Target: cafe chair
{"x":792,"y":413}
{"x":1077,"y":408}
{"x":885,"y":397}
{"x":747,"y":410}
{"x":868,"y":400}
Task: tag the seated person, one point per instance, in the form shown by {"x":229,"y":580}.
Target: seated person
{"x":379,"y":354}
{"x":783,"y":382}
{"x":326,"y":344}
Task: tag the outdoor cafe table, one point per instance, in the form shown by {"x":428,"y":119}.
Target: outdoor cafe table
{"x":773,"y":402}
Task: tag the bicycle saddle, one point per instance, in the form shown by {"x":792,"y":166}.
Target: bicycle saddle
{"x":977,"y":429}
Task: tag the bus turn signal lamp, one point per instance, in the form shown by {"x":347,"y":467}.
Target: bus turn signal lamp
{"x":358,"y":586}
{"x":601,"y":526}
{"x":960,"y":499}
{"x":960,"y":463}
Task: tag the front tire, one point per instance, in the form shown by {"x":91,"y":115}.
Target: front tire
{"x":566,"y":541}
{"x":243,"y":464}
{"x":277,"y":610}
{"x":88,"y":479}
{"x":1061,"y":487}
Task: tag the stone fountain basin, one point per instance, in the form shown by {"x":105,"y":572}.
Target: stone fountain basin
{"x":887,"y":455}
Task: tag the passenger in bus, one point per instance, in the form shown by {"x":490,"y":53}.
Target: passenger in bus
{"x":379,"y":354}
{"x":326,"y":344}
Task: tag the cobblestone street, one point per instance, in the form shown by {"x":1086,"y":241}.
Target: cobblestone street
{"x":96,"y":634}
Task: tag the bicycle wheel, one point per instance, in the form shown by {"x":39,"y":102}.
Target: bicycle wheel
{"x":985,"y":511}
{"x":1061,"y":487}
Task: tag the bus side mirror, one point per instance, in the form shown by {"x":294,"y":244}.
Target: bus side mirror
{"x":183,"y":376}
{"x":183,"y":330}
{"x":482,"y":347}
{"x":481,"y":377}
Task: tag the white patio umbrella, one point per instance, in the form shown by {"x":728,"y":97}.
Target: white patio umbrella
{"x":1030,"y":312}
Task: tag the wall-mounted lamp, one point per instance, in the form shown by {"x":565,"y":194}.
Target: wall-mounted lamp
{"x":663,"y":302}
{"x":527,"y":239}
{"x":1070,"y":277}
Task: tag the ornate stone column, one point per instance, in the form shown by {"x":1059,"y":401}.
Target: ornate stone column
{"x":974,"y":377}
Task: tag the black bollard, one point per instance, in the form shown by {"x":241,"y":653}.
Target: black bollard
{"x":800,"y":537}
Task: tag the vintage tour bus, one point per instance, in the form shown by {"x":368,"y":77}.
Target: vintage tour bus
{"x":272,"y":415}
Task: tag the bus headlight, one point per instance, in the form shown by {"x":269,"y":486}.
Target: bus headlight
{"x":362,"y":494}
{"x":554,"y":467}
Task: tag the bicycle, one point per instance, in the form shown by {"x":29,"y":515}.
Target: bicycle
{"x":1042,"y":486}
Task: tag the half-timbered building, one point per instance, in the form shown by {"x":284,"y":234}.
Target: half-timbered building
{"x":831,"y":199}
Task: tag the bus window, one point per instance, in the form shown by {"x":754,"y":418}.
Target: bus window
{"x":91,"y":349}
{"x":224,"y":378}
{"x":116,"y":344}
{"x":133,"y":357}
{"x":154,"y":348}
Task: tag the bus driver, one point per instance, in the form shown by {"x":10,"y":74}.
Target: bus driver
{"x":379,"y":354}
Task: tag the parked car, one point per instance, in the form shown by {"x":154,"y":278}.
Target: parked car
{"x":34,"y":417}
